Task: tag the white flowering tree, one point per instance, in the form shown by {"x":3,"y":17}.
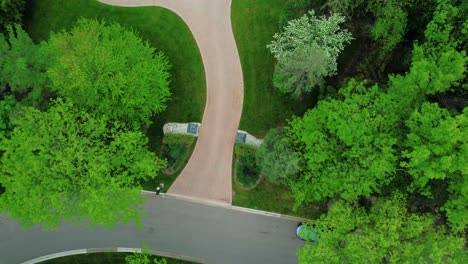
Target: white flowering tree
{"x":307,"y":51}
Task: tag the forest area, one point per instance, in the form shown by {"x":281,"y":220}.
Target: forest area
{"x":386,"y":143}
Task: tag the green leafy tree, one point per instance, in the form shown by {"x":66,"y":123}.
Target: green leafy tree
{"x":22,"y":66}
{"x":437,"y":66}
{"x":437,"y":150}
{"x":305,"y":39}
{"x":11,"y":12}
{"x":345,"y":7}
{"x":347,"y":146}
{"x":66,"y":164}
{"x":276,"y":158}
{"x":387,"y":233}
{"x":109,"y":70}
{"x":302,"y":70}
{"x":390,"y":25}
{"x":7,"y":108}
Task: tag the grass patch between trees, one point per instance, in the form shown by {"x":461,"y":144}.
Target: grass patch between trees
{"x":274,"y":198}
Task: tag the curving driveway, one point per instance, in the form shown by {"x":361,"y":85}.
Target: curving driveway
{"x":208,"y":172}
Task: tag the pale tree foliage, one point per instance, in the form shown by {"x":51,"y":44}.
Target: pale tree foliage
{"x":387,"y":233}
{"x":302,"y":70}
{"x":310,"y":30}
{"x":302,"y":39}
{"x":67,"y":164}
{"x":437,"y":150}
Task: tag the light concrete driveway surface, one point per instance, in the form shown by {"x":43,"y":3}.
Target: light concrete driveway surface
{"x":213,"y":234}
{"x":208,"y":172}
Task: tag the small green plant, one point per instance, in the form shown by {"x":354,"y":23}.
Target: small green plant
{"x":247,"y":170}
{"x":143,"y":257}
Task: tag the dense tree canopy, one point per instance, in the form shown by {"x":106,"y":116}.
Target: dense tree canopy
{"x":387,"y":233}
{"x":11,"y":12}
{"x":437,"y":150}
{"x":109,"y":70}
{"x":351,"y":145}
{"x":390,"y":25}
{"x":22,"y":66}
{"x":304,"y":41}
{"x":378,"y":138}
{"x":67,"y":164}
{"x":7,"y":107}
{"x":347,"y":146}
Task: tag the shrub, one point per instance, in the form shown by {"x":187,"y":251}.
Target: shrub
{"x":246,"y":169}
{"x":176,"y":147}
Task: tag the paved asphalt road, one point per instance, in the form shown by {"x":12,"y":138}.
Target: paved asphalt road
{"x":214,"y":234}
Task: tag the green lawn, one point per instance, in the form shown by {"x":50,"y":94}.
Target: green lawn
{"x":254,"y":23}
{"x":273,"y":198}
{"x":102,"y":258}
{"x":161,"y":27}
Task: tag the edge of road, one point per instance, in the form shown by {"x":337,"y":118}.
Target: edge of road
{"x":224,"y":205}
{"x":112,"y":249}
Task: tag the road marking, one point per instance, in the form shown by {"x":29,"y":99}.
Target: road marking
{"x":118,"y":249}
{"x":56,"y":255}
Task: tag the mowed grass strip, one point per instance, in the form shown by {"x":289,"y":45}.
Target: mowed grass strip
{"x":254,"y":23}
{"x":162,"y":28}
{"x":274,"y":198}
{"x":102,"y":258}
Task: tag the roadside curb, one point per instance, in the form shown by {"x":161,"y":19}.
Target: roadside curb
{"x":113,"y":249}
{"x":225,"y":205}
{"x":260,"y":212}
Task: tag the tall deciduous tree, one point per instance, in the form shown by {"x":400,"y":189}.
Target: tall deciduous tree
{"x":109,"y":70}
{"x":303,"y":40}
{"x":11,"y":12}
{"x":437,"y":150}
{"x":7,"y":108}
{"x":276,"y":158}
{"x":66,"y":164}
{"x":22,"y":66}
{"x":347,"y":146}
{"x":390,"y":25}
{"x":388,"y":233}
{"x":345,"y":7}
{"x":302,"y":70}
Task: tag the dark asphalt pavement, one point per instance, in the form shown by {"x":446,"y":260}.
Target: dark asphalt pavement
{"x":215,"y":234}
